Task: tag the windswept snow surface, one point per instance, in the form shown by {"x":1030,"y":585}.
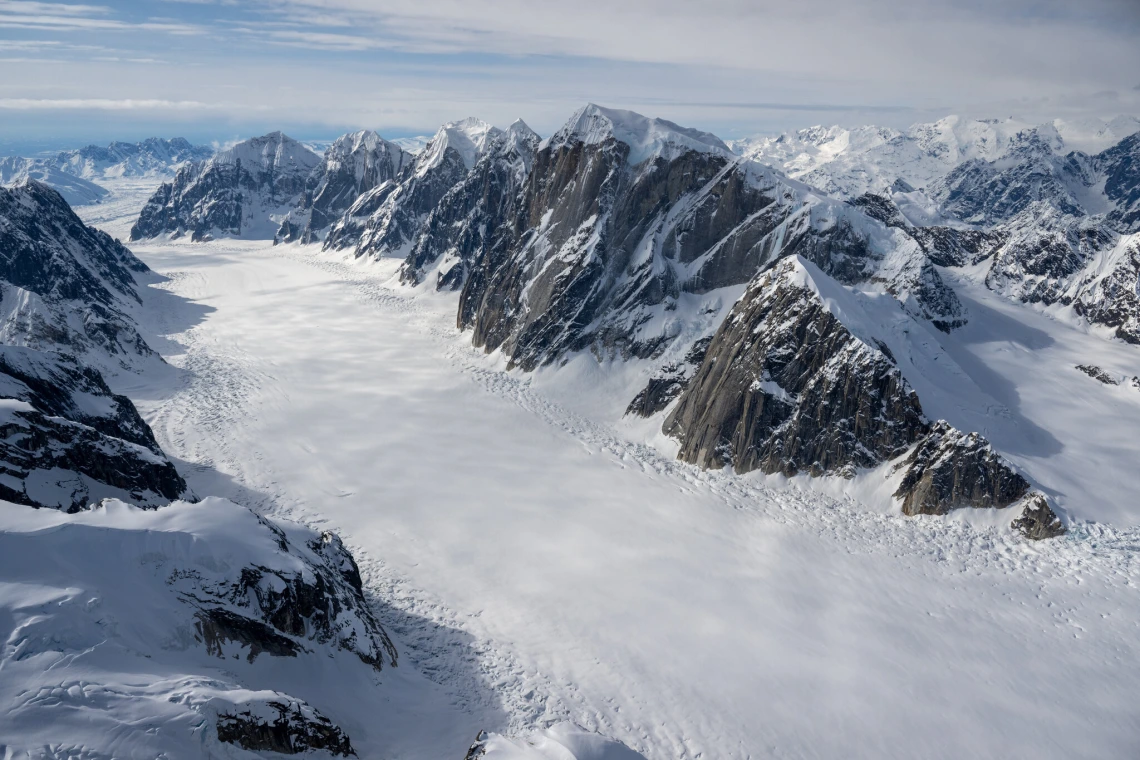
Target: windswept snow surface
{"x":547,"y":566}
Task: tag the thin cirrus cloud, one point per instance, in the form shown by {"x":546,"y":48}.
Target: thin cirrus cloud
{"x":733,"y":66}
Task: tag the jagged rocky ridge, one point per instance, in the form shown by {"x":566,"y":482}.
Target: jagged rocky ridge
{"x":622,"y":218}
{"x":467,"y":221}
{"x":243,"y":191}
{"x":354,"y":164}
{"x":65,"y":286}
{"x":386,"y":220}
{"x":788,"y":385}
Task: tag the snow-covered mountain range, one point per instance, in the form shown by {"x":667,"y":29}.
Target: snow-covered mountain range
{"x":153,"y":157}
{"x":75,"y":174}
{"x":635,"y":239}
{"x":805,"y":307}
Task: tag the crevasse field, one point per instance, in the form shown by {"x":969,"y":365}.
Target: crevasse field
{"x":541,"y":560}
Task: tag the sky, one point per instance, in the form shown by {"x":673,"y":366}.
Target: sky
{"x":217,"y":70}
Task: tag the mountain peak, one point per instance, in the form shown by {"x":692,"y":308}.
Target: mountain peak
{"x":275,"y":149}
{"x":468,"y":137}
{"x":646,"y":137}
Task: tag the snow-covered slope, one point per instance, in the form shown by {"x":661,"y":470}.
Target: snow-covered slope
{"x":197,"y":629}
{"x":563,"y":741}
{"x":412,"y":145}
{"x":76,"y":191}
{"x":849,"y":162}
{"x":153,"y":157}
{"x":354,"y":164}
{"x":243,"y":191}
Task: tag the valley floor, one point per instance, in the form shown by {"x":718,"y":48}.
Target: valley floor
{"x":540,"y":565}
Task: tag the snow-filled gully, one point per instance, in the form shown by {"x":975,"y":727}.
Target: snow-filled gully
{"x":539,"y":565}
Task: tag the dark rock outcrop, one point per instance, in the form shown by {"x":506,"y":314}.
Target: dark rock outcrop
{"x":950,"y":469}
{"x":786,"y":387}
{"x":668,"y":382}
{"x":1096,"y":373}
{"x":217,"y":627}
{"x":242,"y":191}
{"x":1110,"y":294}
{"x":1038,"y":521}
{"x":991,"y":192}
{"x":66,"y":441}
{"x":65,"y":286}
{"x":286,"y":726}
{"x":271,"y":610}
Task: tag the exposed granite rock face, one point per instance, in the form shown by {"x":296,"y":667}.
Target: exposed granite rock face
{"x":353,"y":165}
{"x":571,"y":258}
{"x":669,"y":382}
{"x":950,"y":469}
{"x":478,"y":747}
{"x":66,"y":441}
{"x":465,"y":223}
{"x":243,"y":191}
{"x":1038,"y":521}
{"x":601,"y":247}
{"x":786,"y":387}
{"x":273,"y":610}
{"x":64,"y":285}
{"x":216,"y":628}
{"x":287,"y":726}
{"x":58,"y":386}
{"x":944,"y":246}
{"x":385,"y":222}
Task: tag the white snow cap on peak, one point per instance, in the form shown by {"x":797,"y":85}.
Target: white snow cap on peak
{"x":272,"y":150}
{"x":468,"y":137}
{"x":646,"y":137}
{"x":521,"y":128}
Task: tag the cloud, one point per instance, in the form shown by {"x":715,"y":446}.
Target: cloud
{"x":731,"y":66}
{"x":104,"y":104}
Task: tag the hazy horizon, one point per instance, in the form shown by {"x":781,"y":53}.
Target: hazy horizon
{"x":215,"y":70}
